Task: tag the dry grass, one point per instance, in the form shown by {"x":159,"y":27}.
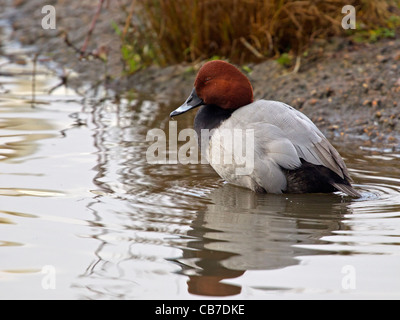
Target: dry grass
{"x":172,"y":31}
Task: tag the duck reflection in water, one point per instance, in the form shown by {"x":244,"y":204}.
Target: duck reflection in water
{"x":241,"y":230}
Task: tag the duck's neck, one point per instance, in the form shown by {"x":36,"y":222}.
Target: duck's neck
{"x":210,"y":117}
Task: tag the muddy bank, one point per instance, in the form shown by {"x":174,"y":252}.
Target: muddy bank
{"x":351,"y":91}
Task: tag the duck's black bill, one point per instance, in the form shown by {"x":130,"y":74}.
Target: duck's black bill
{"x":192,"y":102}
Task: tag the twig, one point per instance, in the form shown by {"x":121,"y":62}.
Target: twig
{"x":251,"y":48}
{"x":297,"y":64}
{"x":34,"y":80}
{"x":128,"y":19}
{"x":92,"y":54}
{"x":63,"y":82}
{"x":70,"y":44}
{"x":92,"y":25}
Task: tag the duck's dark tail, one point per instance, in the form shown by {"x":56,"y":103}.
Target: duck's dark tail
{"x":310,"y":178}
{"x":347,"y":189}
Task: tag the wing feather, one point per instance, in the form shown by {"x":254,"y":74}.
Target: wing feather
{"x":296,"y":128}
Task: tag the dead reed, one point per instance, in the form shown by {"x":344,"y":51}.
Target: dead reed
{"x":172,"y":31}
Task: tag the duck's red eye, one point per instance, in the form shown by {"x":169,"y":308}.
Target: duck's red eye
{"x":207,"y":79}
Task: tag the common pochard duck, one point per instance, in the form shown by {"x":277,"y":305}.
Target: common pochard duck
{"x":291,"y":155}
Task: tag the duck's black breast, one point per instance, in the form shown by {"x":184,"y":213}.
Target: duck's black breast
{"x":210,"y":117}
